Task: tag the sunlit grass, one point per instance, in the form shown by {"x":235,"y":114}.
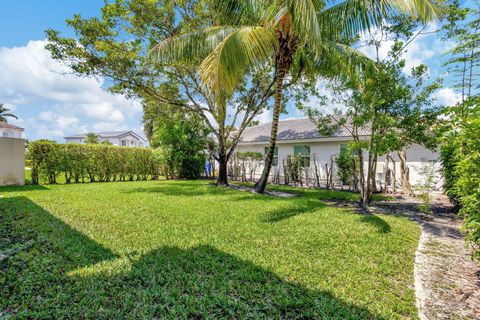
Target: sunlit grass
{"x":185,"y":249}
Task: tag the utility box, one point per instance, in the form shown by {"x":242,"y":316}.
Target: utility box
{"x":12,"y":161}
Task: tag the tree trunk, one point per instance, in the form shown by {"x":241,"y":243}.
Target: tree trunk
{"x":222,"y":179}
{"x":404,"y":172}
{"x":283,"y":60}
{"x":385,"y":173}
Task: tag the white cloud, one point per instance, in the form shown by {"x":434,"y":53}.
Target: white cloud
{"x":420,"y":50}
{"x":265,"y":116}
{"x":448,"y":97}
{"x":29,"y":77}
{"x":108,"y":126}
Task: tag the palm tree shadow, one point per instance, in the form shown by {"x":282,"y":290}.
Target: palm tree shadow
{"x":307,"y":205}
{"x":203,"y":282}
{"x":168,"y":282}
{"x":381,"y":225}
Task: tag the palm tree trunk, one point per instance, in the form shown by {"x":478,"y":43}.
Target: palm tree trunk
{"x":262,"y":182}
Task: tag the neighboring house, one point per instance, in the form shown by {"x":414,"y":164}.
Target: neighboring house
{"x":117,"y":138}
{"x":301,"y":137}
{"x":10,"y":131}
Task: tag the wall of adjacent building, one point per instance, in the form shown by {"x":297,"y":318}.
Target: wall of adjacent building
{"x":420,"y":160}
{"x":12,"y":161}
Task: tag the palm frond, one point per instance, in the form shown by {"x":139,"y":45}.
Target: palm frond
{"x":242,"y":50}
{"x":191,"y":46}
{"x":306,"y":23}
{"x":339,"y":60}
{"x":352,"y":17}
{"x":237,"y":12}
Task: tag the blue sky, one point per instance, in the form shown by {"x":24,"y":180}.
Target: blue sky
{"x":52,"y":104}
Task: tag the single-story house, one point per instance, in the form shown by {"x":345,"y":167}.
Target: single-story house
{"x":117,"y":138}
{"x":301,"y":137}
{"x":10,"y":131}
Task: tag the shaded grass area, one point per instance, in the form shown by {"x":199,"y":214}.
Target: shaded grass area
{"x":185,"y":249}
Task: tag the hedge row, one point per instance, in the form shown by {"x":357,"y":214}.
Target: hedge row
{"x":91,"y":162}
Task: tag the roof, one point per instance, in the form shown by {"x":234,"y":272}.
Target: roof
{"x":107,"y":134}
{"x":292,"y":129}
{"x":10,"y":126}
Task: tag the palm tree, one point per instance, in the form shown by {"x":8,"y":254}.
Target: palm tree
{"x":289,"y":31}
{"x":91,"y":138}
{"x":4,"y":114}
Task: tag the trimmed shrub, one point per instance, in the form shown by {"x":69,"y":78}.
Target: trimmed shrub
{"x":94,"y":163}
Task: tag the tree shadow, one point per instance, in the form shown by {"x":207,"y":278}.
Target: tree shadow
{"x":29,"y":222}
{"x":169,"y":282}
{"x":307,"y":205}
{"x":181,"y":189}
{"x":27,"y":187}
{"x":381,"y":225}
{"x":196,"y":283}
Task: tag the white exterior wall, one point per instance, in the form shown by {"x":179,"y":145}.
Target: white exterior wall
{"x":418,"y":158}
{"x":10,"y":133}
{"x":12,"y":161}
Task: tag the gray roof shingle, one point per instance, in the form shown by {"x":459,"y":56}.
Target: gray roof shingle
{"x":291,"y":129}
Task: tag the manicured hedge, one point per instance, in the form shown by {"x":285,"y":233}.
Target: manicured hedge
{"x":91,"y":162}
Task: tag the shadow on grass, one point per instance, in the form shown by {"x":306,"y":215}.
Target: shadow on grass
{"x":27,"y":187}
{"x":20,"y":215}
{"x":301,"y":207}
{"x":381,"y":225}
{"x":168,"y":282}
{"x":181,"y":189}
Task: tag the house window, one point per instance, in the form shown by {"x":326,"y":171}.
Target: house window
{"x":275,"y":156}
{"x":304,"y":153}
{"x":124,"y":143}
{"x":5,"y":134}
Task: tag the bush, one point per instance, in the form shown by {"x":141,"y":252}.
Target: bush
{"x":345,"y":162}
{"x":467,"y":184}
{"x":95,"y":163}
{"x":461,"y":171}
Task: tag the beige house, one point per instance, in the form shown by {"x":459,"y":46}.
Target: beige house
{"x":301,"y":137}
{"x":12,"y":155}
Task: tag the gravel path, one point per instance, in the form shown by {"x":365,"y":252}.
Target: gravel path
{"x":447,"y":281}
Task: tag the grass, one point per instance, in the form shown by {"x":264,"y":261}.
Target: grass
{"x":185,"y":249}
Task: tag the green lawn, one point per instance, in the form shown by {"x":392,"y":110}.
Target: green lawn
{"x":186,"y":249}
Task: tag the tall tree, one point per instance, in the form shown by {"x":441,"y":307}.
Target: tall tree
{"x":116,"y":47}
{"x":384,"y":112}
{"x":291,"y":32}
{"x":4,"y":114}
